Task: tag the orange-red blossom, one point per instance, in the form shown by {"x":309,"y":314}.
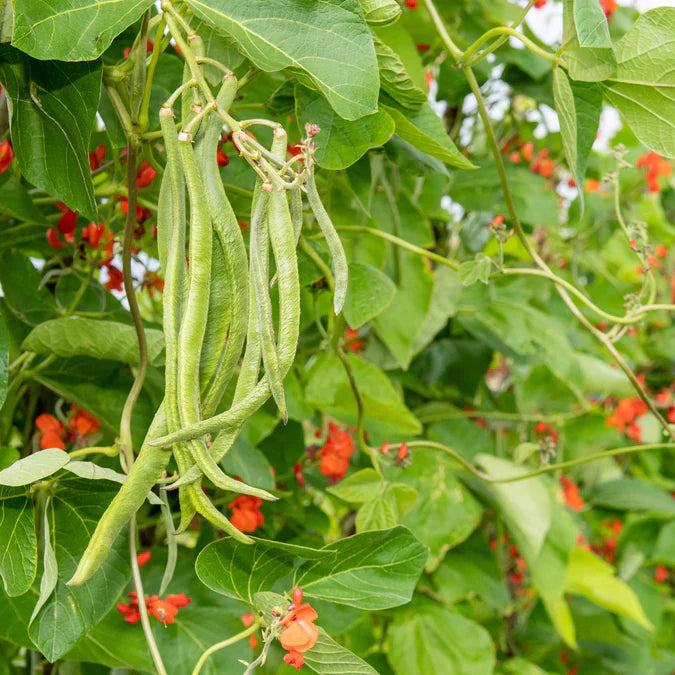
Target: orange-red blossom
{"x":299,"y":634}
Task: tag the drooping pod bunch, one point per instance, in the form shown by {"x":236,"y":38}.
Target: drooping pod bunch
{"x":218,"y":312}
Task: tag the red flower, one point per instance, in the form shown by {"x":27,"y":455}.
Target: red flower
{"x":50,"y":439}
{"x":145,"y":175}
{"x":634,"y":432}
{"x":96,"y":157}
{"x":300,"y":634}
{"x":402,"y":454}
{"x":411,"y":4}
{"x":116,"y":280}
{"x":608,"y":7}
{"x":148,"y":48}
{"x":351,"y":343}
{"x":297,"y":470}
{"x":52,"y":431}
{"x":335,"y":453}
{"x":626,"y":411}
{"x":543,"y":428}
{"x":53,"y":239}
{"x":222,"y":158}
{"x":295,"y":659}
{"x":571,"y":493}
{"x":6,"y":155}
{"x":539,"y":3}
{"x":162,"y":609}
{"x":178,"y":600}
{"x":143,"y":558}
{"x":83,"y":422}
{"x":68,"y":221}
{"x":124,"y":206}
{"x":246,"y":515}
{"x":528,"y":150}
{"x":656,"y":166}
{"x":661,"y":573}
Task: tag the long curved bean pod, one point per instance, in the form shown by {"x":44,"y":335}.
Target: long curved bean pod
{"x":296,"y":213}
{"x":337,"y":253}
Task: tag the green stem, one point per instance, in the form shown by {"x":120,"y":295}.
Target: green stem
{"x":466,"y":60}
{"x":454,"y":50}
{"x":143,"y":115}
{"x":225,"y":643}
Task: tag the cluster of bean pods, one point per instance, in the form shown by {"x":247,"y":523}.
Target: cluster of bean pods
{"x":218,"y":316}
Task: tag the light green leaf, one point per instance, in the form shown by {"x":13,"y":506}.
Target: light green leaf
{"x":50,"y":570}
{"x":588,"y":64}
{"x":369,"y":292}
{"x":241,"y":570}
{"x":328,"y":389}
{"x":380,"y":12}
{"x":53,"y":108}
{"x":591,"y":24}
{"x":524,"y":451}
{"x":45,"y":30}
{"x":592,"y":577}
{"x":378,"y":513}
{"x":475,"y":270}
{"x":664,"y":550}
{"x":18,"y":543}
{"x":433,"y":639}
{"x":34,"y":467}
{"x":327,"y":657}
{"x":394,"y":78}
{"x":525,"y":504}
{"x":341,"y":142}
{"x":327,"y":42}
{"x":372,"y":570}
{"x":579,"y":105}
{"x":359,"y":487}
{"x":424,"y":130}
{"x":445,"y":513}
{"x":108,"y":340}
{"x":644,"y":86}
{"x":68,"y":613}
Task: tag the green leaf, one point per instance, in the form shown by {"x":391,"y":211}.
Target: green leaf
{"x":644,"y":86}
{"x":394,"y":78}
{"x":380,"y":12}
{"x":18,"y":543}
{"x":369,"y":292}
{"x":664,"y":550}
{"x":74,"y":511}
{"x":53,"y":114}
{"x":579,"y":106}
{"x":632,"y":494}
{"x":592,"y":577}
{"x":475,"y":270}
{"x":359,"y":487}
{"x":525,"y":504}
{"x":327,"y":657}
{"x":16,"y":202}
{"x":524,"y":451}
{"x":378,"y":513}
{"x":341,"y":142}
{"x":424,"y":130}
{"x":21,"y":286}
{"x":328,"y":389}
{"x":372,"y":570}
{"x":46,"y":31}
{"x":241,"y":570}
{"x":329,"y":43}
{"x":445,"y":513}
{"x":588,"y":64}
{"x":4,"y":360}
{"x":34,"y":467}
{"x":107,"y":340}
{"x":591,"y":24}
{"x":50,"y":570}
{"x":431,"y":639}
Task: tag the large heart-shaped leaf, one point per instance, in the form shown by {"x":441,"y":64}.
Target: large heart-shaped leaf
{"x":644,"y":86}
{"x":372,"y":570}
{"x":108,"y":340}
{"x":369,"y":292}
{"x":53,"y":114}
{"x":45,"y":30}
{"x":591,"y":24}
{"x":327,"y":42}
{"x":74,"y":512}
{"x":34,"y":467}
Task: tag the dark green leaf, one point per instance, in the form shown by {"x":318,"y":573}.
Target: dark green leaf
{"x":394,"y":78}
{"x":368,"y":293}
{"x":53,"y":113}
{"x":18,"y":543}
{"x":341,"y":142}
{"x":327,"y":657}
{"x":16,"y":202}
{"x":372,"y":570}
{"x":46,"y":32}
{"x":632,"y":494}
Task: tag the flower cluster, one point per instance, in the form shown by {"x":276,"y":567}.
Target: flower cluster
{"x":55,"y":434}
{"x":246,"y":515}
{"x":335,"y":453}
{"x":299,"y":634}
{"x":402,"y":457}
{"x":656,"y":166}
{"x":163,"y":610}
{"x":625,"y":415}
{"x":352,"y":342}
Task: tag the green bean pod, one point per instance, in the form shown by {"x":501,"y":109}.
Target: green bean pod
{"x":337,"y":253}
{"x":296,"y":213}
{"x":147,"y":468}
